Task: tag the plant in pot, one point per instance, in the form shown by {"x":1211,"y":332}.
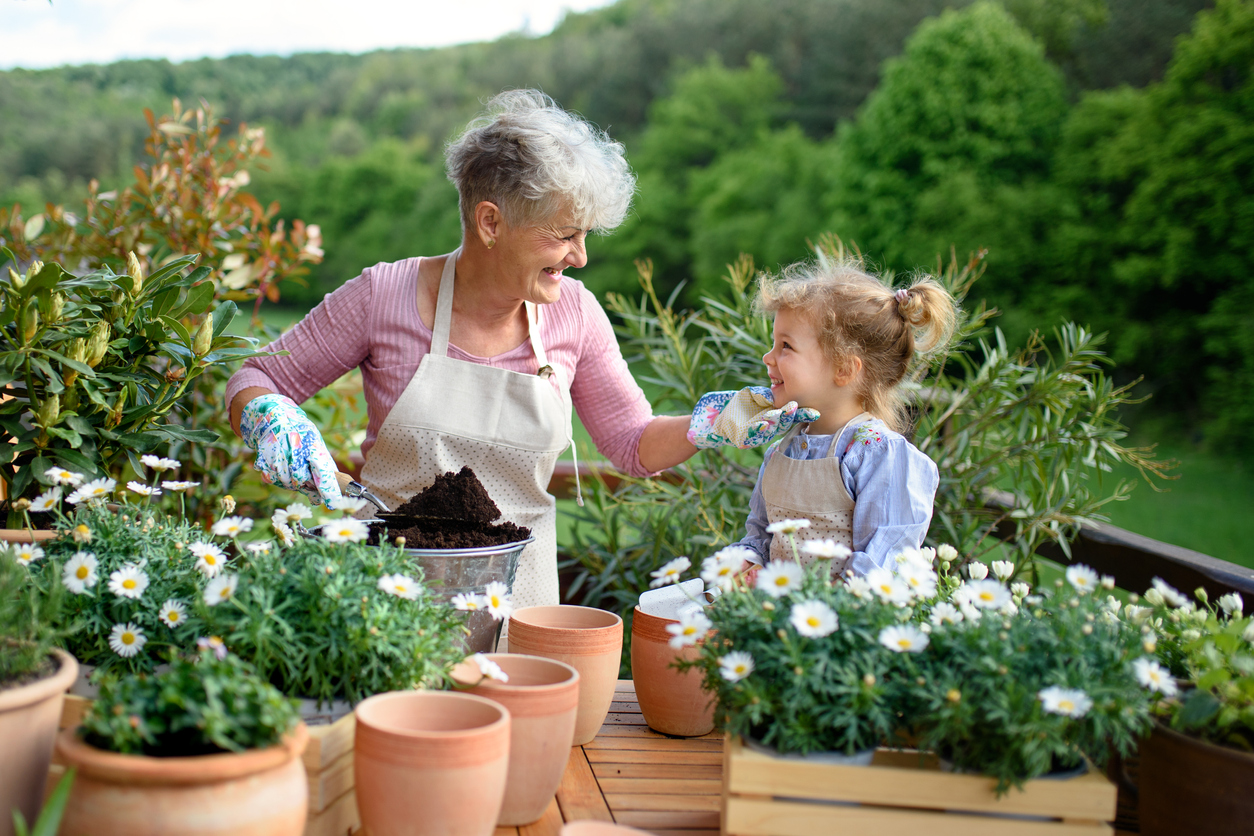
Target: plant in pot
{"x":34,"y":676}
{"x":205,"y":744}
{"x":1197,"y":769}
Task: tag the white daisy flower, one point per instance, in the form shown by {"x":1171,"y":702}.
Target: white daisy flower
{"x":292,"y":514}
{"x":1248,"y":633}
{"x":349,"y":504}
{"x":212,"y":559}
{"x":180,"y":486}
{"x":159,"y":464}
{"x":346,"y":530}
{"x":46,"y":501}
{"x":920,"y":580}
{"x":735,"y":666}
{"x":128,"y":582}
{"x":1003,"y":569}
{"x":1231,"y":604}
{"x":142,"y":489}
{"x":945,"y":613}
{"x":691,"y":628}
{"x":64,"y":477}
{"x":1108,"y":581}
{"x":1170,"y":595}
{"x":787,"y":526}
{"x":231,"y":526}
{"x":1154,"y":676}
{"x":904,"y":638}
{"x":260,"y":547}
{"x":1082,"y":578}
{"x":946,"y":553}
{"x":720,"y":569}
{"x":213,"y":644}
{"x":1010,"y":609}
{"x":1020,"y":590}
{"x":93,"y":490}
{"x":1112,"y":604}
{"x":489,"y":669}
{"x":670,"y":573}
{"x":890,"y":588}
{"x":985,"y":595}
{"x":780,"y":577}
{"x":26,"y":553}
{"x":220,"y":588}
{"x":859,"y":586}
{"x":402,"y":586}
{"x":468,"y":602}
{"x":969,"y":612}
{"x":79,"y":573}
{"x":127,"y":639}
{"x":826,"y":549}
{"x":1134,"y":614}
{"x":173,"y":613}
{"x":1069,"y":702}
{"x":496,"y":600}
{"x":285,"y":534}
{"x":921,"y":557}
{"x":813,"y":619}
{"x":977,"y":571}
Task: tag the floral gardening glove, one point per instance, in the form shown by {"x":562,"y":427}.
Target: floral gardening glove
{"x":290,"y":450}
{"x":747,"y":418}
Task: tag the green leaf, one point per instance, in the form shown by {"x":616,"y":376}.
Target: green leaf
{"x":1198,"y":709}
{"x":49,"y":821}
{"x":163,"y":301}
{"x":1214,"y":678}
{"x":74,"y":460}
{"x":198,"y":300}
{"x":66,"y":434}
{"x":174,"y":432}
{"x":222,"y":316}
{"x":177,"y":327}
{"x":81,"y":368}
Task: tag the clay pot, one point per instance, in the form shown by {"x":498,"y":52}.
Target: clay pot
{"x":587,"y":639}
{"x":671,"y":701}
{"x":1191,"y":786}
{"x":430,"y":762}
{"x":22,"y":535}
{"x":542,"y":696}
{"x":260,"y":792}
{"x":29,"y":715}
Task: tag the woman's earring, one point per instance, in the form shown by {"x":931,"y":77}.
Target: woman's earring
{"x":491,"y":243}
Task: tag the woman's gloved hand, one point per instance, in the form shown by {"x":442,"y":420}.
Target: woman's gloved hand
{"x":290,"y":450}
{"x":744,"y":418}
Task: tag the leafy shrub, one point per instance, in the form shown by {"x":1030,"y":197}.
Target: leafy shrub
{"x":30,"y":621}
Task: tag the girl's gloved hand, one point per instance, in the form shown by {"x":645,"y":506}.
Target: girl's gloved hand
{"x":745,"y":418}
{"x":290,"y":450}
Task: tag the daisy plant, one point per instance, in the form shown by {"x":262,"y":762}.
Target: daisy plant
{"x":31,"y":622}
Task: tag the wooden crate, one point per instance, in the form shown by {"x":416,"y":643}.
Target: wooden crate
{"x":901,"y":794}
{"x":328,"y":763}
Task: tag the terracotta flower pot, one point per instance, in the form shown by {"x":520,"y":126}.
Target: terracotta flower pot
{"x":587,"y":639}
{"x":260,"y":792}
{"x":28,"y":728}
{"x":671,"y":701}
{"x":542,"y":696}
{"x":1191,"y":786}
{"x":430,"y":762}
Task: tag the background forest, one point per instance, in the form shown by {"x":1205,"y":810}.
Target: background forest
{"x":1102,"y":151}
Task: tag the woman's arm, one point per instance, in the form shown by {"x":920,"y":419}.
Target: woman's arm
{"x":664,"y":443}
{"x":241,"y":400}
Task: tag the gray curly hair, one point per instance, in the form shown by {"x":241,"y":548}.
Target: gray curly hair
{"x":533,"y":159}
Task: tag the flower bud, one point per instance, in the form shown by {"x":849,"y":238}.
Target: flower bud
{"x":869,"y":680}
{"x":32,"y":324}
{"x":36,"y":267}
{"x":228,"y":503}
{"x":204,"y":338}
{"x":98,"y":344}
{"x":49,"y":411}
{"x":1201,"y":595}
{"x":136,"y":273}
{"x":954,"y":695}
{"x":16,"y":279}
{"x":977,"y":571}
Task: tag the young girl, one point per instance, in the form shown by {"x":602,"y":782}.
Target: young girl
{"x":842,"y":343}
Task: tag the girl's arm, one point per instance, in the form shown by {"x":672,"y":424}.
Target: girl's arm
{"x":894,"y":487}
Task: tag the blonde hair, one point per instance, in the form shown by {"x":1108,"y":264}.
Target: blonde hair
{"x":857,"y":315}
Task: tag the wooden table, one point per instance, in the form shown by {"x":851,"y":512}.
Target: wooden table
{"x":632,"y":775}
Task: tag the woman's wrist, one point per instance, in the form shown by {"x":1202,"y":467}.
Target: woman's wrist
{"x":241,"y":399}
{"x":664,"y":443}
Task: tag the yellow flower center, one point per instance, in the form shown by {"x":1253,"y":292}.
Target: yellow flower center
{"x":172,"y":615}
{"x":400,"y":587}
{"x":129,"y":583}
{"x":781,"y":581}
{"x":813,"y":621}
{"x":689,"y":630}
{"x":903,"y":643}
{"x":128,"y":638}
{"x":82,"y":572}
{"x":211,"y":560}
{"x":1066,"y":705}
{"x":986,"y":596}
{"x":226,"y":592}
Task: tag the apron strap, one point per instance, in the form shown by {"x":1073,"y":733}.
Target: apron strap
{"x":563,"y":387}
{"x":444,"y":306}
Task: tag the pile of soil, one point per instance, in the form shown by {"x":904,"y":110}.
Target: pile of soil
{"x":460,"y":516}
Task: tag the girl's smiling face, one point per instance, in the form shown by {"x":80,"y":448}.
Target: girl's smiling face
{"x":798,"y":369}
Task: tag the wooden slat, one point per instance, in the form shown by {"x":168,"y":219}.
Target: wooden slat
{"x":578,"y":795}
{"x":504,"y":831}
{"x":328,"y":744}
{"x":701,"y":831}
{"x":642,"y":732}
{"x":622,"y":718}
{"x":653,"y":756}
{"x":751,"y":817}
{"x":626,"y":707}
{"x":338,"y":819}
{"x":653,"y":743}
{"x":651,"y":820}
{"x":656,"y":770}
{"x":328,"y":784}
{"x":653,"y":801}
{"x":72,"y":711}
{"x":550,"y":824}
{"x":625,"y":686}
{"x":659,"y":786}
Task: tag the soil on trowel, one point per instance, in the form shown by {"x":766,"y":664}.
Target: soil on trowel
{"x":459,"y":515}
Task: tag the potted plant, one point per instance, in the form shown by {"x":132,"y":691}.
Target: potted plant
{"x":34,"y":676}
{"x":1197,"y":768}
{"x":205,"y":745}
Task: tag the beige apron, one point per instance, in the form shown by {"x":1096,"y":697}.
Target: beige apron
{"x":508,"y":427}
{"x":811,"y":489}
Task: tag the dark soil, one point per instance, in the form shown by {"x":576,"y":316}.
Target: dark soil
{"x":454,"y":496}
{"x":46,"y":668}
{"x":456,"y":513}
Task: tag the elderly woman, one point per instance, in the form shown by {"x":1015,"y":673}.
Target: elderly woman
{"x":476,"y":357}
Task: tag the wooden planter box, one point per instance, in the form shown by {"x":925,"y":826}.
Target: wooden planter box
{"x":328,"y":765}
{"x":902,"y":793}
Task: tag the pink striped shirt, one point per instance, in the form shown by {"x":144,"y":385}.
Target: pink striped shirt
{"x":372,"y":322}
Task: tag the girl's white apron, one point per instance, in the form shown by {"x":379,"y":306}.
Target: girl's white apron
{"x":811,"y":489}
{"x":508,"y":427}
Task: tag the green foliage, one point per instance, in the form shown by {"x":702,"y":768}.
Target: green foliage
{"x":198,"y":706}
{"x":97,"y":364}
{"x":30,"y":620}
{"x":49,"y":819}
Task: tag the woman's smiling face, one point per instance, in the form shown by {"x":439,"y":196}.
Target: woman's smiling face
{"x":532,"y":257}
{"x":798,"y":369}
